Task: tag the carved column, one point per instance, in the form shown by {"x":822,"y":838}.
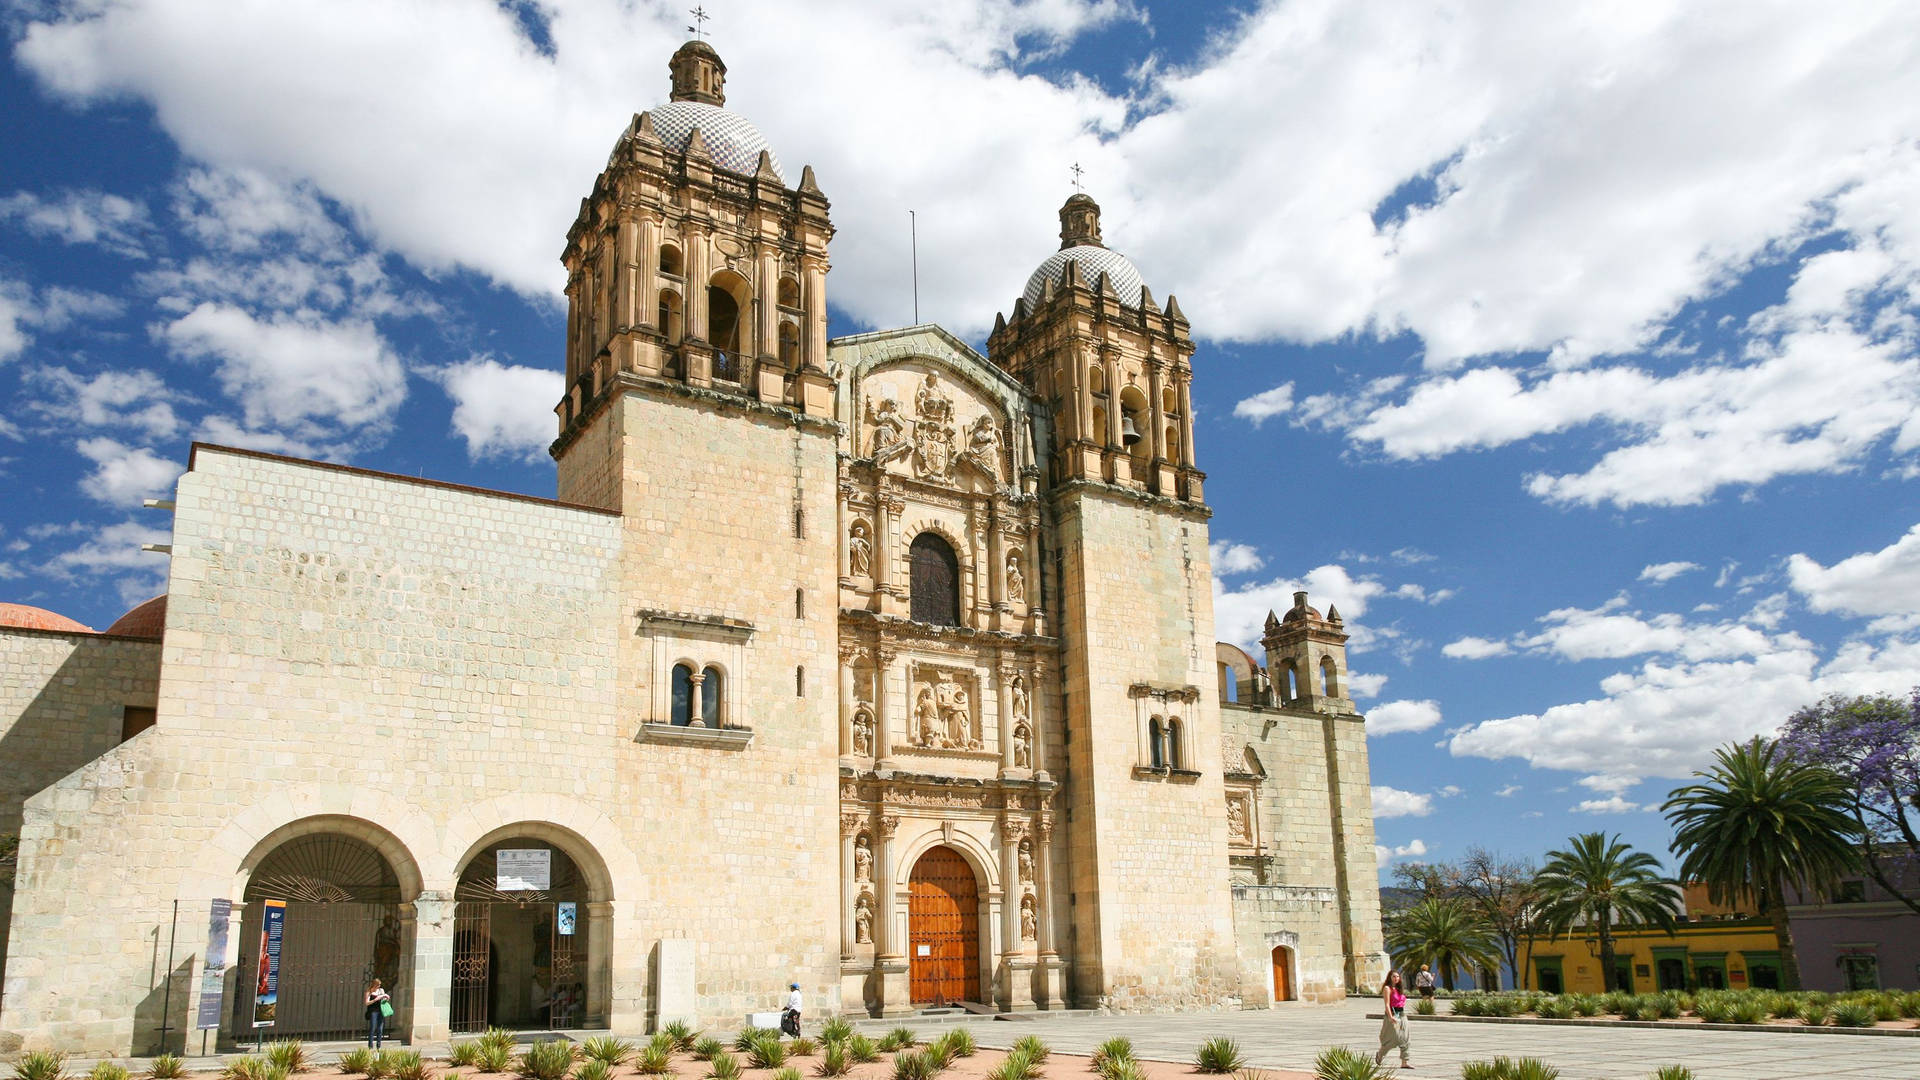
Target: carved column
{"x":1043,"y":886}
{"x":647,"y":287}
{"x":1186,"y":418}
{"x":849,"y":885}
{"x":886,"y":942}
{"x":1157,"y":409}
{"x":695,"y":259}
{"x":845,"y":552}
{"x":1039,"y":749}
{"x":997,"y":573}
{"x":1112,"y":365}
{"x":815,"y":269}
{"x":883,"y":658}
{"x":848,"y":654}
{"x":1005,"y":674}
{"x":883,"y":543}
{"x":1011,"y":830}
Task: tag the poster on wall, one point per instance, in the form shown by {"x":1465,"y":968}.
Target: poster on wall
{"x":266,"y":993}
{"x":523,"y":869}
{"x":213,"y":976}
{"x":563,"y":919}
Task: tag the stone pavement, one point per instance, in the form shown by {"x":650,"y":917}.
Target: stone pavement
{"x":1288,"y":1038}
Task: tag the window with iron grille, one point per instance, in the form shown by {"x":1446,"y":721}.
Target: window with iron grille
{"x":935,"y":581}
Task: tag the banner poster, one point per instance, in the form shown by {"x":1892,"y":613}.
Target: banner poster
{"x":266,"y":994}
{"x":213,"y":976}
{"x":563,"y":920}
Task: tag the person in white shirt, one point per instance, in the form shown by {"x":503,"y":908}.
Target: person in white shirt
{"x":1423,"y":982}
{"x":790,"y":1020}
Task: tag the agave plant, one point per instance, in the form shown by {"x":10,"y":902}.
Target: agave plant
{"x":407,"y":1065}
{"x":1129,"y":1069}
{"x":464,"y":1054}
{"x":803,"y":1047}
{"x":939,"y":1052}
{"x":834,"y":1060}
{"x":1532,"y":1069}
{"x":1479,"y":1070}
{"x":607,"y":1049}
{"x":593,"y":1069}
{"x":914,"y":1065}
{"x":1118,"y":1048}
{"x":495,"y":1058}
{"x":862,"y":1049}
{"x":107,"y":1070}
{"x":548,"y":1059}
{"x":499,"y":1037}
{"x":1556,"y":1008}
{"x":1425,"y":1007}
{"x":1815,"y":1013}
{"x":767,"y":1051}
{"x":898,"y":1039}
{"x":723,"y":1066}
{"x":682,"y":1034}
{"x":1017,"y":1065}
{"x":289,"y":1054}
{"x":355,"y":1061}
{"x":835,"y":1030}
{"x":1344,"y":1063}
{"x":705,"y":1047}
{"x":1217,"y":1055}
{"x":167,"y":1067}
{"x":787,"y":1073}
{"x":1032,"y":1047}
{"x":1853,"y":1014}
{"x":1672,"y":1072}
{"x":41,"y":1065}
{"x":655,"y":1059}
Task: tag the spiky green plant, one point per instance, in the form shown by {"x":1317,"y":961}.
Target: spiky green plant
{"x":723,"y":1066}
{"x":244,"y":1067}
{"x":1425,"y":1007}
{"x":834,"y":1060}
{"x":167,"y":1067}
{"x":1345,"y":1063}
{"x":654,"y":1059}
{"x":803,"y":1047}
{"x":861,"y":1049}
{"x":107,"y":1070}
{"x":939,"y":1051}
{"x":41,"y":1065}
{"x":495,"y":1058}
{"x":1217,"y":1055}
{"x":1886,"y":1005}
{"x":898,"y":1039}
{"x":1479,"y":1070}
{"x":1118,"y":1048}
{"x":289,"y":1054}
{"x":548,"y":1059}
{"x":767,"y":1051}
{"x":408,"y":1065}
{"x":1017,"y":1065}
{"x":706,"y":1046}
{"x":464,"y":1054}
{"x":746,"y":1038}
{"x":787,"y":1073}
{"x":1033,"y":1048}
{"x":1814,"y":1013}
{"x":1129,"y":1069}
{"x":499,"y":1037}
{"x":914,"y":1065}
{"x":1667,"y":1005}
{"x":682,"y":1033}
{"x":1749,"y":1011}
{"x":1853,"y":1014}
{"x":356,"y":1061}
{"x":593,"y":1069}
{"x":1532,"y":1069}
{"x":835,"y":1030}
{"x":1586,"y":1005}
{"x":608,"y":1049}
{"x":1556,"y":1008}
{"x":1672,"y":1072}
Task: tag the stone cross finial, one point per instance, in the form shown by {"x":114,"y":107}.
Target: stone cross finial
{"x":699,"y":27}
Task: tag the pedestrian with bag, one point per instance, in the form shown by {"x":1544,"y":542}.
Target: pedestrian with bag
{"x":1423,"y":982}
{"x":790,"y":1016}
{"x":379,"y":1008}
{"x":1393,"y":1026}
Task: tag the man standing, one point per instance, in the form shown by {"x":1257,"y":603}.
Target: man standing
{"x":1423,"y":982}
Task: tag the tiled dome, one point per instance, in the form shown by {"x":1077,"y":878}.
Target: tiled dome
{"x":28,"y":617}
{"x":147,"y":619}
{"x":1090,"y":262}
{"x":731,"y":138}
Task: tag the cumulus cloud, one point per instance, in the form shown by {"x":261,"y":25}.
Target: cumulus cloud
{"x":1391,"y":802}
{"x":1666,"y":571}
{"x":24,"y":309}
{"x":298,"y":374}
{"x":502,"y":409}
{"x":1883,"y":584}
{"x":121,"y":225}
{"x":1363,"y":686}
{"x":1239,"y":613}
{"x":1266,"y":404}
{"x":1396,"y":716}
{"x":121,"y":399}
{"x":1382,"y":854}
{"x":1474,"y":648}
{"x":123,"y":475}
{"x":1231,"y":558}
{"x":1613,"y":804}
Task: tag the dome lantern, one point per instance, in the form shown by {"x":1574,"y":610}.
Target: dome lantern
{"x":1080,"y":222}
{"x":698,"y":74}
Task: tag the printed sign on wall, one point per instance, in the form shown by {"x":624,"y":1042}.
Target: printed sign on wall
{"x":523,"y":869}
{"x":266,"y":993}
{"x":213,"y":977}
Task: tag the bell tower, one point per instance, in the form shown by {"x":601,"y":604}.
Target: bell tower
{"x":1153,"y":921}
{"x":1307,"y":658}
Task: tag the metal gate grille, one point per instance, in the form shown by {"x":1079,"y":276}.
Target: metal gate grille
{"x":943,"y":929}
{"x":512,"y":965}
{"x":471,"y":943}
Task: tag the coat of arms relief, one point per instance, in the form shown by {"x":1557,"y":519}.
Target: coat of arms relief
{"x":930,"y":438}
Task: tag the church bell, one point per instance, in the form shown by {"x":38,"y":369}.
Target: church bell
{"x":1129,"y":434}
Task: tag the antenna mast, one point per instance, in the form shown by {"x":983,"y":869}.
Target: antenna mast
{"x":913,"y":236}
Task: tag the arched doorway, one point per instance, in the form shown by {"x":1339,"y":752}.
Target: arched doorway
{"x":1282,"y":973}
{"x":943,"y":929}
{"x":520,"y":929}
{"x":342,"y":929}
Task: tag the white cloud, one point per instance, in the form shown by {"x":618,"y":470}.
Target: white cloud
{"x":119,"y":224}
{"x":1239,"y":614}
{"x":1884,"y":584}
{"x":1509,"y":791}
{"x":1382,"y":854}
{"x":308,"y":376}
{"x":1363,"y":686}
{"x":112,"y":549}
{"x":502,"y":409}
{"x":1395,"y":716}
{"x":1613,"y":804}
{"x":1474,"y":648}
{"x":1266,"y":404}
{"x":1231,"y":558}
{"x":53,"y":308}
{"x":1666,"y":571}
{"x":1391,"y":802}
{"x":120,"y":399}
{"x":240,"y":209}
{"x":124,"y":475}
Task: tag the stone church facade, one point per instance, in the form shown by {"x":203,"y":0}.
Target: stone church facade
{"x":873,"y":664}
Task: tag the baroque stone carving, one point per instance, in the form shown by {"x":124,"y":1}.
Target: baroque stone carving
{"x":863,"y":919}
{"x":1016,"y":581}
{"x":1022,"y":746}
{"x":862,"y":858}
{"x":1237,"y":821}
{"x":859,"y":549}
{"x":1029,"y":921}
{"x":943,"y":714}
{"x":932,"y":432}
{"x":862,"y":732}
{"x":1026,"y":860}
{"x":889,"y":430}
{"x":983,"y":445}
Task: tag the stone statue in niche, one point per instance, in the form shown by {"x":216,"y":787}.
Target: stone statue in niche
{"x":983,"y":445}
{"x":1016,"y":581}
{"x":1026,"y":860}
{"x":932,"y":432}
{"x":863,"y":920}
{"x":862,"y":732}
{"x":889,"y":430}
{"x":1022,"y":746}
{"x":956,"y":714}
{"x":926,"y":718}
{"x":862,"y":858}
{"x":1237,"y":819}
{"x":859,"y":550}
{"x":1029,"y":922}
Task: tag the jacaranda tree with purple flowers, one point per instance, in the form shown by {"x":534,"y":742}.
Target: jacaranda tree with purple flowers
{"x":1873,"y":742}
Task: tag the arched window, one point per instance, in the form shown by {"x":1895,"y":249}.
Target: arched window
{"x":789,"y":292}
{"x":670,"y":323}
{"x":1292,"y":686}
{"x":1175,"y":758}
{"x":727,"y":302}
{"x":1329,"y":681}
{"x":669,"y":259}
{"x":1096,"y":379}
{"x":1156,"y":744}
{"x":711,"y":683}
{"x":682,"y":695}
{"x":1229,"y":683}
{"x":789,"y":346}
{"x":935,"y":582}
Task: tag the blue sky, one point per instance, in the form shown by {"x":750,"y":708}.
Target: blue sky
{"x":1570,"y":349}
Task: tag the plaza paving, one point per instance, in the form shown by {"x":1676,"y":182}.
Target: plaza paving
{"x":1290,"y":1036}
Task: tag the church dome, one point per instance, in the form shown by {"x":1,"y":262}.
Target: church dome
{"x":731,"y":139}
{"x":1080,"y":245}
{"x":147,"y":619}
{"x":28,"y":617}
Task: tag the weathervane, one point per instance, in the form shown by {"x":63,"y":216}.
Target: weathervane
{"x":699,"y":27}
{"x":1077,"y":170}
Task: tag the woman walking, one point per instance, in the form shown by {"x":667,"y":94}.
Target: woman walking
{"x":1393,"y":1026}
{"x":379,"y":1007}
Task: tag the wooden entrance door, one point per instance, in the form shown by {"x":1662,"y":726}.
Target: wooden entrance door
{"x":1282,"y":974}
{"x":943,"y":929}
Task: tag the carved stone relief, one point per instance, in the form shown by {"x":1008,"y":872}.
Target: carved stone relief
{"x":862,"y":858}
{"x":1026,"y":860}
{"x":1029,"y":922}
{"x":944,"y":710}
{"x":863,"y":732}
{"x":932,"y":431}
{"x":863,"y":919}
{"x":1016,"y":581}
{"x":860,"y":549}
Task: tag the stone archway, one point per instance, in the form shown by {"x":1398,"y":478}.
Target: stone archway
{"x":529,"y":914}
{"x":943,"y":929}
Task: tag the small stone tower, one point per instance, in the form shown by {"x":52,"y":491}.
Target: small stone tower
{"x":1307,"y":658}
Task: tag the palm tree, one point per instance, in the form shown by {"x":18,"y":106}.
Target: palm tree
{"x":1600,"y":882}
{"x":1762,"y":821}
{"x":1446,"y":932}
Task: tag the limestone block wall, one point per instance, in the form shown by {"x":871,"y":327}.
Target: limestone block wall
{"x":730,"y":515}
{"x":61,"y":702}
{"x":423,"y":663}
{"x":1151,"y":910}
{"x":1302,"y":919}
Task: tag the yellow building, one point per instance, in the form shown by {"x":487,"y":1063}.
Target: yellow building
{"x":1734,"y":953}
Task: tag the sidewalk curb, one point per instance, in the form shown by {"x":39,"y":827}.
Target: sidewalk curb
{"x":1662,"y":1025}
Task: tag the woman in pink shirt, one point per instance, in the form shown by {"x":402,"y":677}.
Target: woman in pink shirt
{"x":1393,"y":1027}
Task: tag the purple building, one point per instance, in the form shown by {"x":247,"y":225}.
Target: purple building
{"x":1861,"y":937}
